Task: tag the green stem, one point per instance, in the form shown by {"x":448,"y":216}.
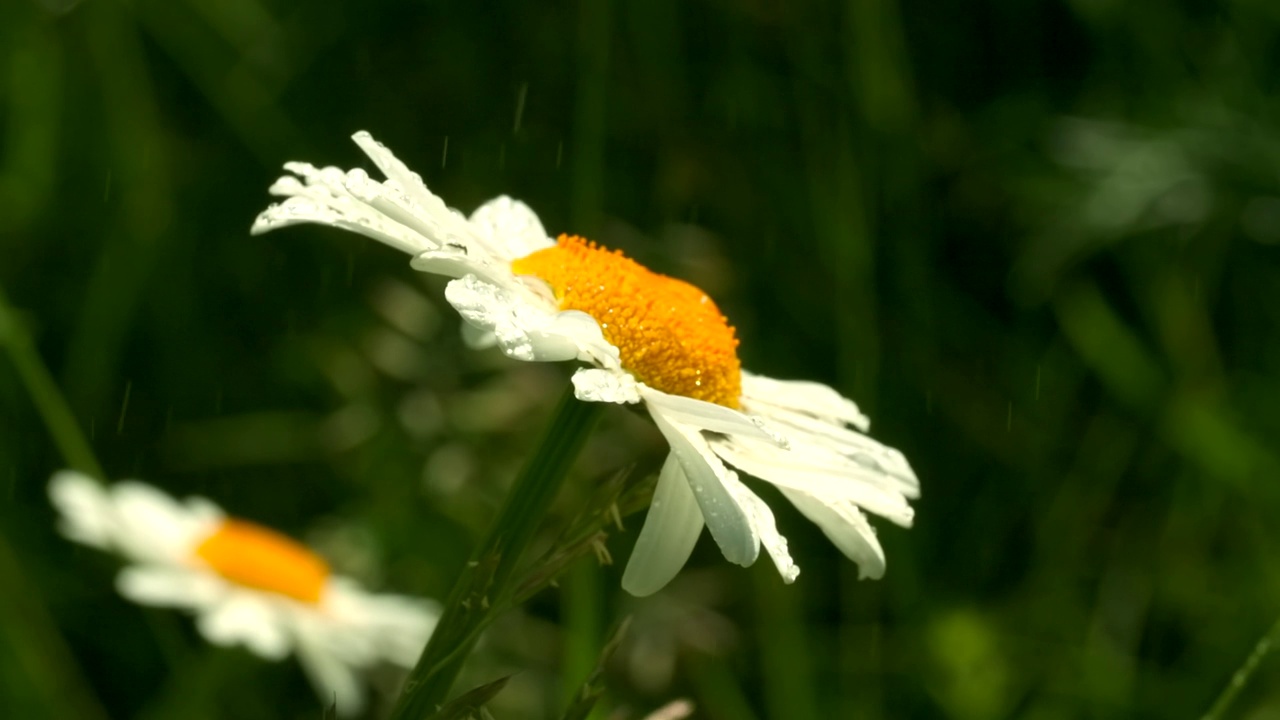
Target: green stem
{"x":483,"y":582}
{"x":582,"y":623}
{"x":41,"y":666}
{"x":46,"y":397}
{"x":1242,"y":676}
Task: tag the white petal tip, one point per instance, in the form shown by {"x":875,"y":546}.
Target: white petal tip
{"x":639,"y":589}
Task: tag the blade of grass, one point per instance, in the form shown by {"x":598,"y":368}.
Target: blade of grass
{"x":583,"y":618}
{"x":30,"y":635}
{"x":1242,"y":676}
{"x":46,"y":397}
{"x":483,"y":582}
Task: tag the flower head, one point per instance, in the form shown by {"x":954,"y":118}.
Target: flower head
{"x":647,"y":338}
{"x":247,"y":584}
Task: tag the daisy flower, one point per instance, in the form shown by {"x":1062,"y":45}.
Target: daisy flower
{"x":248,"y":585}
{"x":646,"y":339}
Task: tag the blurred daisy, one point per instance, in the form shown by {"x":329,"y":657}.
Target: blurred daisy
{"x":247,"y":584}
{"x":649,"y":339}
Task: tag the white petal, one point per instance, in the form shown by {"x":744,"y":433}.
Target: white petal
{"x":244,"y":618}
{"x":585,"y":332}
{"x":395,"y":627}
{"x":155,"y":527}
{"x":169,"y":586}
{"x":510,"y":224}
{"x":401,"y":634}
{"x":847,"y":528}
{"x":325,"y":200}
{"x":88,"y":514}
{"x":526,"y":329}
{"x":607,"y":386}
{"x":725,"y":517}
{"x":204,"y":512}
{"x":818,"y":472}
{"x":423,"y":210}
{"x":762,"y":520}
{"x":478,"y":338}
{"x":454,"y":261}
{"x":669,"y":534}
{"x":710,"y":416}
{"x":400,"y":212}
{"x":333,"y":679}
{"x":856,"y":447}
{"x":808,"y":397}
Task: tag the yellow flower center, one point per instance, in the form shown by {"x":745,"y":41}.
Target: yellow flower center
{"x":670,"y":334}
{"x":263,"y":559}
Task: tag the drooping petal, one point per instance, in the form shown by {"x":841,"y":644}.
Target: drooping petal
{"x":725,"y":517}
{"x":669,"y":534}
{"x":331,"y":676}
{"x":762,"y":520}
{"x":846,"y":527}
{"x":804,"y":396}
{"x":859,"y":449}
{"x":820,"y":473}
{"x":710,"y":416}
{"x":245,"y":619}
{"x":394,"y":627}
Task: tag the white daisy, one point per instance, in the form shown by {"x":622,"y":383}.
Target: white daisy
{"x":248,"y":585}
{"x":649,"y":339}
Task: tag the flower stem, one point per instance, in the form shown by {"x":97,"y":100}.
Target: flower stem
{"x":1242,"y":676}
{"x":483,"y":582}
{"x":46,"y":397}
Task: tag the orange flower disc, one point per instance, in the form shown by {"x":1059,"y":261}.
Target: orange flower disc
{"x":671,"y":336}
{"x":263,"y":559}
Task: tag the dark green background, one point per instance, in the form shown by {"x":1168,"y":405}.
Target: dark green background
{"x":1036,"y":241}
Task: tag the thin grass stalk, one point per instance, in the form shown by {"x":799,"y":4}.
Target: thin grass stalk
{"x":1242,"y":676}
{"x":46,"y":397}
{"x":483,"y":583}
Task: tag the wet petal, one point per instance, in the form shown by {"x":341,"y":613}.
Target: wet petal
{"x":712,"y":417}
{"x":819,"y":473}
{"x":721,"y":511}
{"x":526,"y":330}
{"x":847,"y":528}
{"x":669,"y":534}
{"x":765,"y":526}
{"x":512,"y":225}
{"x":607,"y":386}
{"x":804,"y":396}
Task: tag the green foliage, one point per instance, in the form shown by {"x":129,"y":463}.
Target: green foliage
{"x":1039,"y":243}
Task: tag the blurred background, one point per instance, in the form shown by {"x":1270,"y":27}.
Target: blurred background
{"x":1039,"y":243}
